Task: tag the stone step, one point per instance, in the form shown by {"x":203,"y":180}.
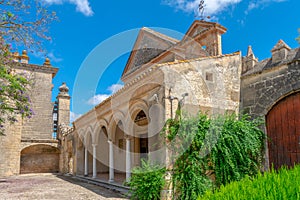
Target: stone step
{"x":108,"y":185}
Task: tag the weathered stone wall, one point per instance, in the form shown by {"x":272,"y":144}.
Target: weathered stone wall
{"x":39,"y":159}
{"x":28,"y":132}
{"x":10,"y":150}
{"x":267,"y":85}
{"x":40,"y":126}
{"x":260,"y":91}
{"x":212,"y":84}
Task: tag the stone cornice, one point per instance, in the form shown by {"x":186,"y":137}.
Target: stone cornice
{"x":36,"y":68}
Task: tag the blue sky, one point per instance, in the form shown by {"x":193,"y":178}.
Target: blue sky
{"x":85,"y":24}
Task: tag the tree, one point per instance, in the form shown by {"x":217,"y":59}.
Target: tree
{"x":23,"y":23}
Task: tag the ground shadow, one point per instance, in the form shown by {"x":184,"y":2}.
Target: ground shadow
{"x":107,"y":193}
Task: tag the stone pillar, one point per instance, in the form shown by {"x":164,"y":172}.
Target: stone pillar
{"x":63,"y":100}
{"x":86,"y":170}
{"x":94,"y":161}
{"x":111,"y":161}
{"x":128,"y":159}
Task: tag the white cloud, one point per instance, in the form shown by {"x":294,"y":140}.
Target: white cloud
{"x":114,"y":88}
{"x":95,"y":100}
{"x":54,"y":58}
{"x":74,"y":116}
{"x":98,"y":98}
{"x":82,"y":6}
{"x":211,"y":6}
{"x":51,"y":55}
{"x":253,"y":4}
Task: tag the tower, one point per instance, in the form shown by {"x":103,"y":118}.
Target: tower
{"x":63,"y":100}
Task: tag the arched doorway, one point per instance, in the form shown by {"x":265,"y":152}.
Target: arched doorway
{"x":283,"y":129}
{"x":79,"y":156}
{"x":89,"y":154}
{"x":141,"y":142}
{"x":39,"y":159}
{"x":102,"y":154}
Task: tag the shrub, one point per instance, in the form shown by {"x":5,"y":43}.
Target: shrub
{"x":227,"y":148}
{"x":146,"y":181}
{"x":239,"y":150}
{"x":284,"y":184}
{"x":189,"y":169}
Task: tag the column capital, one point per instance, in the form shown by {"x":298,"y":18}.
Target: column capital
{"x":128,"y":137}
{"x":94,"y":145}
{"x":109,"y":141}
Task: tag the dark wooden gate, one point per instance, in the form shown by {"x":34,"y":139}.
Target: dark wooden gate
{"x":283,"y":130}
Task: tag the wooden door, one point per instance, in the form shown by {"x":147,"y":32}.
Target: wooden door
{"x":283,"y":130}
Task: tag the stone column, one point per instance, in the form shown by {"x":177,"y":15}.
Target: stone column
{"x":94,"y":161}
{"x":128,"y":159}
{"x":111,"y":161}
{"x":86,"y":170}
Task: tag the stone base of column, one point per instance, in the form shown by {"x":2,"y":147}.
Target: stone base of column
{"x":111,"y":181}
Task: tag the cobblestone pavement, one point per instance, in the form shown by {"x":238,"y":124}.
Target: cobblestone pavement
{"x":51,"y":187}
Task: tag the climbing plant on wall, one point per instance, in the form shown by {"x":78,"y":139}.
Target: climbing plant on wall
{"x":205,"y":153}
{"x":209,"y":152}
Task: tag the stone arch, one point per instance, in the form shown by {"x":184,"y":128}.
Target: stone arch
{"x":98,"y":126}
{"x":102,"y":151}
{"x":282,"y":125}
{"x":115,"y":118}
{"x":135,"y":108}
{"x":79,"y":158}
{"x":88,"y":141}
{"x":279,"y":97}
{"x":39,"y":158}
{"x":89,"y":133}
{"x":102,"y":148}
{"x":28,"y":144}
{"x":81,"y":136}
{"x":268,"y":96}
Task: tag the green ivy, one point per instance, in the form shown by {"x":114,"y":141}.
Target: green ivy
{"x":206,"y":153}
{"x":210,"y":152}
{"x":239,"y":150}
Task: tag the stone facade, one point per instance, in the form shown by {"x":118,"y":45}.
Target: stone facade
{"x":29,"y":145}
{"x":192,"y":73}
{"x":266,"y":83}
{"x":269,"y":81}
{"x":163,"y":73}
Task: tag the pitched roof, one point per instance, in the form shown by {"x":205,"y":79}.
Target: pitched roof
{"x":148,"y":45}
{"x":293,"y":55}
{"x":281,"y":44}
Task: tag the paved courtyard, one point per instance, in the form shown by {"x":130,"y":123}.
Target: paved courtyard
{"x":50,"y":186}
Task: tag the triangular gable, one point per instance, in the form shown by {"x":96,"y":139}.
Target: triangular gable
{"x":280,"y":45}
{"x":199,"y":27}
{"x":149,"y":44}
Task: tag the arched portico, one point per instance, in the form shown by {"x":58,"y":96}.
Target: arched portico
{"x":102,"y":153}
{"x":140,"y":139}
{"x":79,"y":138}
